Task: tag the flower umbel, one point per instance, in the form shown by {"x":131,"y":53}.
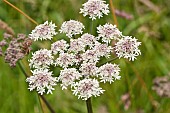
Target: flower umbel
{"x":108,"y":32}
{"x":76,"y":45}
{"x":59,"y":47}
{"x":127,"y":47}
{"x":42,"y":81}
{"x":43,"y":31}
{"x":102,"y":49}
{"x":87,"y":88}
{"x":88,"y":69}
{"x":71,"y":28}
{"x":109,"y":72}
{"x":88,"y":39}
{"x":64,"y":60}
{"x":90,"y":56}
{"x":95,"y":8}
{"x":68,"y":77}
{"x":41,"y":59}
{"x":81,"y":57}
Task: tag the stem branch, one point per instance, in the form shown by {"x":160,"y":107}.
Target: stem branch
{"x":108,"y":61}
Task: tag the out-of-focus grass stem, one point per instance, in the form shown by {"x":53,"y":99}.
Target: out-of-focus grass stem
{"x":113,"y":13}
{"x":42,"y":97}
{"x":20,"y":11}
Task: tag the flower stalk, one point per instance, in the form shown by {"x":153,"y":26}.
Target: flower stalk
{"x":88,"y":101}
{"x":89,"y":105}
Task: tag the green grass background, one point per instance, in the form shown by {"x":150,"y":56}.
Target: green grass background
{"x":150,"y":27}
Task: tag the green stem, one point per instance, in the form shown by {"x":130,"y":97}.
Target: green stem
{"x":89,"y":105}
{"x":91,"y":28}
{"x":108,"y":61}
{"x":88,"y":101}
{"x":47,"y":104}
{"x":42,"y":97}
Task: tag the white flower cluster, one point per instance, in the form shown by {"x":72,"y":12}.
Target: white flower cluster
{"x":108,"y":32}
{"x":95,"y":8}
{"x":68,"y":76}
{"x":41,"y":59}
{"x":71,"y":27}
{"x":109,"y":72}
{"x":87,"y":88}
{"x":43,"y":31}
{"x":79,"y":62}
{"x":59,"y":47}
{"x":42,"y":81}
{"x":80,"y":58}
{"x":127,"y":47}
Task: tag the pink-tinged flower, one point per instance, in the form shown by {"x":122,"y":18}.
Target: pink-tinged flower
{"x":90,"y":56}
{"x":41,"y":59}
{"x":1,"y":52}
{"x":59,"y":47}
{"x":68,"y":77}
{"x":109,"y":73}
{"x":88,"y":69}
{"x":71,"y":28}
{"x":3,"y":43}
{"x":42,"y":81}
{"x":127,"y":47}
{"x":64,"y":60}
{"x":78,"y":59}
{"x":43,"y":31}
{"x":88,"y":39}
{"x":86,"y":88}
{"x":108,"y":32}
{"x":95,"y":9}
{"x":76,"y":45}
{"x":103,"y":49}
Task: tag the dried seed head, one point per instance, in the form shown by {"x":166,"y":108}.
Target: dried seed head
{"x":162,"y":86}
{"x":17,"y":48}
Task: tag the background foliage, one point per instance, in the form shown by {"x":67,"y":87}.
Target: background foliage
{"x":150,"y":25}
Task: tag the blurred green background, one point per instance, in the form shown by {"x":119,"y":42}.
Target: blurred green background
{"x":151,"y":25}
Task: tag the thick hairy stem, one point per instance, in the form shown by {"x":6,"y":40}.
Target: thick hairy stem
{"x":89,"y":105}
{"x":42,"y":97}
